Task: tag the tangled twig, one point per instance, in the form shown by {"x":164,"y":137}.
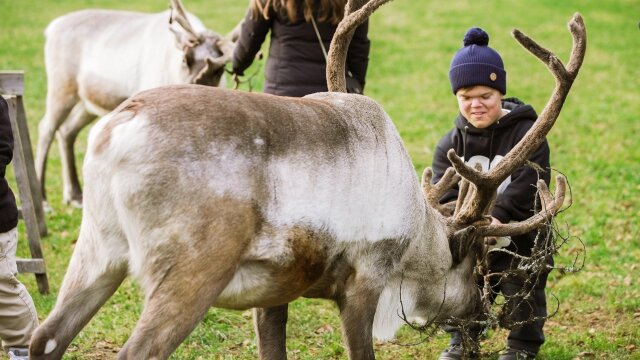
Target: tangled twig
{"x":528,"y":270}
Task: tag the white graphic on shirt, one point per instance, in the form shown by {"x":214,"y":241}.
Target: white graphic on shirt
{"x":486,"y":165}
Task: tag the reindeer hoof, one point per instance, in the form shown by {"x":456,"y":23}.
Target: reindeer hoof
{"x":74,"y":203}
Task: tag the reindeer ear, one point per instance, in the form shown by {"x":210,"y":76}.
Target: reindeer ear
{"x":461,"y":242}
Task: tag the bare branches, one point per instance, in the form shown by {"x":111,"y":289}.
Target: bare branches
{"x":528,"y":271}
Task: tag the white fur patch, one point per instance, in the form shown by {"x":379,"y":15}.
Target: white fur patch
{"x":223,"y":170}
{"x":367,"y":194}
{"x":248,"y":286}
{"x":50,"y":346}
{"x":388,"y":318}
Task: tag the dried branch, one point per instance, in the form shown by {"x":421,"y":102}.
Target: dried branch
{"x":529,"y":269}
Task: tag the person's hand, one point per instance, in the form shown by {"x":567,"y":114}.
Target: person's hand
{"x":493,"y":242}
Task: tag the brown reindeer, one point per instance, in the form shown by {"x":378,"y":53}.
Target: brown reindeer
{"x":213,"y":197}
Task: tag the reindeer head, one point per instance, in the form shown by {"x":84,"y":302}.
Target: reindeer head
{"x":205,"y":52}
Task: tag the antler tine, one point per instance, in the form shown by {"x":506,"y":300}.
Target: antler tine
{"x":181,"y":18}
{"x":488,"y":183}
{"x":579,"y":33}
{"x":337,"y":56}
{"x":463,"y":192}
{"x":551,"y":206}
{"x":433,"y":192}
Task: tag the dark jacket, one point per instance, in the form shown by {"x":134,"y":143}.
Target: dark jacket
{"x":296,"y":65}
{"x":8,"y":208}
{"x":516,"y":201}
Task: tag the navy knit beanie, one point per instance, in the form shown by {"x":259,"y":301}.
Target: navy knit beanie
{"x":477,"y":64}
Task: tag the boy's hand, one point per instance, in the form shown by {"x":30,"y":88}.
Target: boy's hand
{"x":493,"y":242}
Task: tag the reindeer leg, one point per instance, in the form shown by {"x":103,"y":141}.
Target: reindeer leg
{"x":181,"y":284}
{"x":178,"y":303}
{"x":271,"y":328}
{"x":357,"y":307}
{"x":94,"y":274}
{"x":56,"y":113}
{"x":66,"y":137}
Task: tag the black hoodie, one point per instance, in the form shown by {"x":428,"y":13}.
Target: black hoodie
{"x":488,"y":146}
{"x":8,"y":209}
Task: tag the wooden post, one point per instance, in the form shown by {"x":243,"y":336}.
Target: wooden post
{"x":12,"y":84}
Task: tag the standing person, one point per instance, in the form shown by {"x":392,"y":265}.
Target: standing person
{"x":296,"y":64}
{"x":486,"y":128}
{"x":18,"y":317}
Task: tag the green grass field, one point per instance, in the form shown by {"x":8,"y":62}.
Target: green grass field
{"x":594,"y":143}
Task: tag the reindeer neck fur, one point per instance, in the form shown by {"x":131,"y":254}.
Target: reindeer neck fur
{"x":422,"y":290}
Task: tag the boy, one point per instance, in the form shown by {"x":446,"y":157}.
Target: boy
{"x":18,"y":317}
{"x":486,"y":128}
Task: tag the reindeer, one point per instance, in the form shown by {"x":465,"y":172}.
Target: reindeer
{"x":96,"y":59}
{"x":214,"y":197}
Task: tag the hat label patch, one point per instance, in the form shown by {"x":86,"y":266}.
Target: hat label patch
{"x":493,"y":76}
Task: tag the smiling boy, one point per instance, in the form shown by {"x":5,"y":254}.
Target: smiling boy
{"x":486,"y":128}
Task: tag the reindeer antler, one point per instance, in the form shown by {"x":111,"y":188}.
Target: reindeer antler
{"x":181,"y":18}
{"x":486,"y":184}
{"x":551,"y":206}
{"x":433,"y":192}
{"x":354,"y":16}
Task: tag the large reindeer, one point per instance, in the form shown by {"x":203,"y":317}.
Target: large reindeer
{"x":212,"y":197}
{"x":96,"y":59}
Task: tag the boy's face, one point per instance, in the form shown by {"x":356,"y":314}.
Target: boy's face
{"x":481,"y":105}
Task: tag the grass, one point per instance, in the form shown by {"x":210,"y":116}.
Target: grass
{"x":594,"y":143}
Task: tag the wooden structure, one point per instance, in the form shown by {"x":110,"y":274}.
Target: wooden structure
{"x":12,"y":89}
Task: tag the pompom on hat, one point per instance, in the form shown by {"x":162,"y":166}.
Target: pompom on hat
{"x":477,"y":64}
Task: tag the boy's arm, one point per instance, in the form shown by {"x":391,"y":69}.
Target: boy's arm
{"x":517,"y":201}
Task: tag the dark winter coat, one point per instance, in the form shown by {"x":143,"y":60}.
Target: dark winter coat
{"x":515,"y":202}
{"x":8,"y":209}
{"x":296,"y":65}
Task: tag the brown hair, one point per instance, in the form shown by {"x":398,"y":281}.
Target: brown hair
{"x":331,"y":11}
